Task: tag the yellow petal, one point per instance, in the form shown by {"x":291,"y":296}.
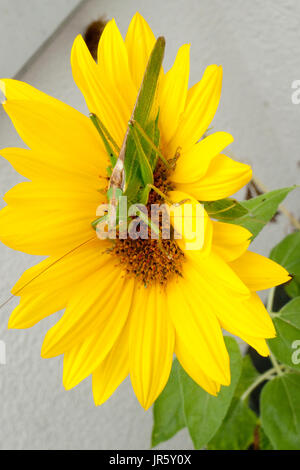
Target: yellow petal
{"x":259,"y":272}
{"x":230,"y":241}
{"x":49,"y":126}
{"x":47,"y":287}
{"x":88,"y":309}
{"x":53,"y":270}
{"x":218,"y":272}
{"x":35,"y":307}
{"x":37,"y":233}
{"x":17,"y":90}
{"x":172,"y":94}
{"x":113,"y":370}
{"x":238,"y":315}
{"x":43,"y":218}
{"x":84,"y":358}
{"x":259,"y":344}
{"x":191,"y":223}
{"x":193,"y":369}
{"x":247,"y":317}
{"x":224,"y":177}
{"x":50,"y":166}
{"x":192,"y":165}
{"x":202,"y":103}
{"x":54,"y":195}
{"x":151,"y":344}
{"x":139,"y":43}
{"x":100,"y":100}
{"x":199,"y":330}
{"x":114,"y":69}
{"x":113,"y":63}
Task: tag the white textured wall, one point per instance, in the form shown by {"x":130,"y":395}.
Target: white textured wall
{"x":258,"y":44}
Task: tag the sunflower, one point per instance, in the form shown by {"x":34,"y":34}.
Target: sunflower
{"x":129,"y":306}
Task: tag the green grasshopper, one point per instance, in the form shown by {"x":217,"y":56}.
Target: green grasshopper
{"x":132,"y":169}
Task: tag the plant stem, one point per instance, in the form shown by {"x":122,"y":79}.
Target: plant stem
{"x":275,"y":363}
{"x":270,"y":299}
{"x":270,"y":308}
{"x":268,"y":375}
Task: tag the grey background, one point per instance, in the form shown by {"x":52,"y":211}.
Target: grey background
{"x":257,"y":42}
{"x":25,"y":26}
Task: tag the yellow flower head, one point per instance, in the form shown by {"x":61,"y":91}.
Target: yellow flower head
{"x":114,"y":325}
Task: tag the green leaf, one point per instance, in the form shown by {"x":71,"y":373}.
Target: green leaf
{"x":280,"y":411}
{"x":225,"y":209}
{"x":248,"y":376}
{"x":261,"y":209}
{"x":287,"y":253}
{"x":293,"y":288}
{"x":287,"y":343}
{"x":264,"y":441}
{"x":168,"y":409}
{"x":203,"y":412}
{"x":237,"y":429}
{"x":183,"y":403}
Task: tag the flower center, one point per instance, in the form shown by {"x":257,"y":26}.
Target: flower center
{"x":151,"y":260}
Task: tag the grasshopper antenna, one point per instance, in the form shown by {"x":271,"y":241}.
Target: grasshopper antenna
{"x":44,"y":270}
{"x":6,"y":301}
